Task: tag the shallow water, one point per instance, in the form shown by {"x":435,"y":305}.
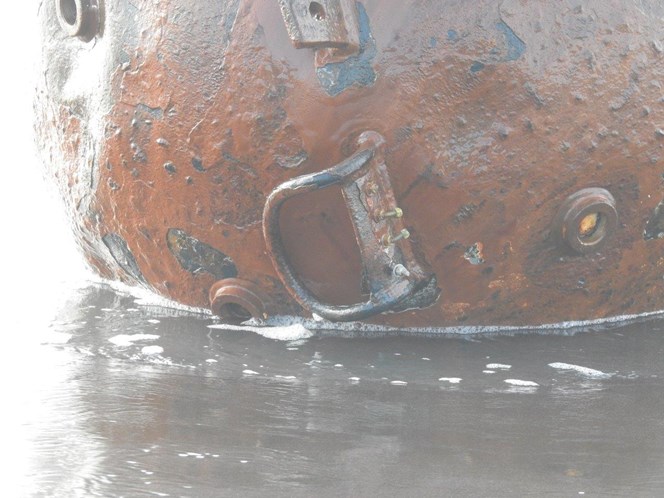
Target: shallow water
{"x":207,"y":412}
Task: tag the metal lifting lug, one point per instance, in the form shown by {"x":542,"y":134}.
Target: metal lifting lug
{"x":366,"y":187}
{"x":322,"y":24}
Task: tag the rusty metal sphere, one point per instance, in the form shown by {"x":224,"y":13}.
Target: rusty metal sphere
{"x":395,"y":162}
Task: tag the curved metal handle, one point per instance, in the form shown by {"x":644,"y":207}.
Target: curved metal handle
{"x":387,"y":288}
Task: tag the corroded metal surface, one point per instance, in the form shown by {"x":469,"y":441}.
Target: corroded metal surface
{"x":182,"y":119}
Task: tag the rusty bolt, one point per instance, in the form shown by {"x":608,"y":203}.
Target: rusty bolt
{"x":394,"y":213}
{"x":400,"y":271}
{"x":389,"y":239}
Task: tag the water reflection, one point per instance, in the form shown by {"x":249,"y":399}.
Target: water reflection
{"x":229,"y":413}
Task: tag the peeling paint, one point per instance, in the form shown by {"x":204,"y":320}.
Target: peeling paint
{"x":655,"y":226}
{"x":197,"y":257}
{"x":336,"y":77}
{"x":123,"y":256}
{"x":474,"y":254}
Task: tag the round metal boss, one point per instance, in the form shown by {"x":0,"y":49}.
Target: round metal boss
{"x":586,"y":219}
{"x":79,"y":18}
{"x":237,"y":300}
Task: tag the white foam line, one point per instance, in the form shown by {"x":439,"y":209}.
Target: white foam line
{"x":521,"y":383}
{"x":293,"y":332}
{"x":145,"y":297}
{"x":588,"y":372}
{"x":313,"y":326}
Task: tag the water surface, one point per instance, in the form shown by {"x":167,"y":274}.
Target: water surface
{"x":130,"y":399}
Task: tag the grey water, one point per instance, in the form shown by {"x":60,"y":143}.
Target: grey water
{"x":135,"y":400}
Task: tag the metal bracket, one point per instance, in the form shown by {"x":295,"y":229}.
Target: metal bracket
{"x":391,"y":272}
{"x":322,"y":24}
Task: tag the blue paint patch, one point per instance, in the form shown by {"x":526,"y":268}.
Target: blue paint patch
{"x":433,"y":42}
{"x":513,"y":49}
{"x":476,"y":67}
{"x":515,"y":46}
{"x":452,"y":35}
{"x":356,"y":70}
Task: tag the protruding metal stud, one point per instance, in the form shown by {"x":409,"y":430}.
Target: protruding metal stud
{"x":388,"y":240}
{"x":397,"y":212}
{"x":400,"y":271}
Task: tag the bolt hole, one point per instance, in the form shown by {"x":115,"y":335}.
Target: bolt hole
{"x":69,"y":11}
{"x":317,"y":11}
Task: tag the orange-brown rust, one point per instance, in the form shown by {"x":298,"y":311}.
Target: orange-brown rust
{"x":492,"y":115}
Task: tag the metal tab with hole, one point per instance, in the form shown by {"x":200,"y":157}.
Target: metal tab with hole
{"x":391,"y":272}
{"x":322,"y":24}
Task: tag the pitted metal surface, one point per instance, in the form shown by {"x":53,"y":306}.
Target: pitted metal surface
{"x":492,"y":116}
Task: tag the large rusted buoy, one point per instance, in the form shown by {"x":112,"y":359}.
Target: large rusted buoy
{"x":405,"y":164}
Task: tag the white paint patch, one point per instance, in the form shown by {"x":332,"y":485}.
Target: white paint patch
{"x":338,"y":365}
{"x":354,"y":380}
{"x":398,"y":383}
{"x":152,"y":350}
{"x":286,"y":377}
{"x":498,"y":366}
{"x":249,"y":372}
{"x":128,"y":340}
{"x":426,"y":359}
{"x":451,"y":380}
{"x":211,"y":360}
{"x":521,"y":383}
{"x":588,"y":372}
{"x":489,"y":372}
{"x":154,"y":321}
